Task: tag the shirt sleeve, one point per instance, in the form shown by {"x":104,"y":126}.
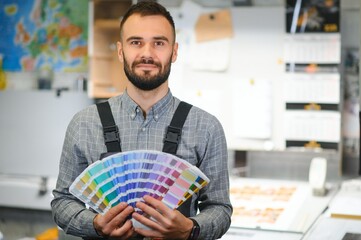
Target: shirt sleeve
{"x":214,"y":203}
{"x":68,"y":212}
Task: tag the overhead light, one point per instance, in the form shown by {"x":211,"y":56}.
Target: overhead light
{"x":214,"y":3}
{"x":170,"y":3}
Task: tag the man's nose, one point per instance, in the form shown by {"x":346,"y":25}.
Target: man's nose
{"x":147,"y":50}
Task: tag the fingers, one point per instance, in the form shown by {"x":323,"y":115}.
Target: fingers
{"x":119,"y":219}
{"x":157,"y":206}
{"x":115,"y":215}
{"x":147,"y":221}
{"x":162,"y":226}
{"x":124,"y":232}
{"x":114,"y":211}
{"x":159,"y":216}
{"x":163,"y":221}
{"x":114,"y":223}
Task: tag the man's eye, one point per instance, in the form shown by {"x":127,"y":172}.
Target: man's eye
{"x":135,"y":42}
{"x":159,"y":43}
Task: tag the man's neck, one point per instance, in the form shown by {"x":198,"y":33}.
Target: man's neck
{"x":146,"y":99}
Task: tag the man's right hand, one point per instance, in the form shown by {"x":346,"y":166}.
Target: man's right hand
{"x":114,"y":223}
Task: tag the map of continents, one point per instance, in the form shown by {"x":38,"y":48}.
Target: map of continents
{"x":44,"y":34}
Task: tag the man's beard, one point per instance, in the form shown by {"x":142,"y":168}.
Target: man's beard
{"x":147,"y":82}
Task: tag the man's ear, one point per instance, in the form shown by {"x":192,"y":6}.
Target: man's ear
{"x":175,"y":52}
{"x":120,"y":51}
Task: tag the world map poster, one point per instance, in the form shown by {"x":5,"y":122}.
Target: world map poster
{"x":44,"y":34}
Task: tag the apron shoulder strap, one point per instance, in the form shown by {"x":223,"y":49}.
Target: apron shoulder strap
{"x":110,"y":130}
{"x":174,"y":130}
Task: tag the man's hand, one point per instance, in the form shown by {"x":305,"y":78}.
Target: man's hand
{"x":114,"y":223}
{"x":164,"y":222}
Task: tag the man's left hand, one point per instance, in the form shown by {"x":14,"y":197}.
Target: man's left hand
{"x":165,"y":223}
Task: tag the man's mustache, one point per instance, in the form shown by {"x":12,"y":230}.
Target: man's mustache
{"x":146,"y":61}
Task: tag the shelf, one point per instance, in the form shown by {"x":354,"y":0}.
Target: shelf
{"x":107,"y":23}
{"x":107,"y":78}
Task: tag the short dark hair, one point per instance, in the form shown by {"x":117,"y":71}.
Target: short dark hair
{"x":147,"y":8}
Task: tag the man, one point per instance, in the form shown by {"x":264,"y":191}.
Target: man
{"x":147,"y":48}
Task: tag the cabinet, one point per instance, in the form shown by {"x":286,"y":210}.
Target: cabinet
{"x":106,"y":72}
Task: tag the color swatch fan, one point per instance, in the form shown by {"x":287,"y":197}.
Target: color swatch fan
{"x":128,"y":176}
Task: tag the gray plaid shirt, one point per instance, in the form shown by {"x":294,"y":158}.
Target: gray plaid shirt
{"x":203,"y":143}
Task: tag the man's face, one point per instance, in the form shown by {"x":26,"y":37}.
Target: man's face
{"x":147,"y":50}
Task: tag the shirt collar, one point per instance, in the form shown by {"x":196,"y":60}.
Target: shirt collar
{"x":155,"y":112}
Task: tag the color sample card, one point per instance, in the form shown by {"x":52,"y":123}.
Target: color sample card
{"x":128,"y":176}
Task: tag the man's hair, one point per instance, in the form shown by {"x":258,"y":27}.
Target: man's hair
{"x":147,"y":8}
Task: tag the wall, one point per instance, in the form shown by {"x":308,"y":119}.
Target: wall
{"x":32,"y":126}
{"x":256,"y":53}
{"x":253,"y":54}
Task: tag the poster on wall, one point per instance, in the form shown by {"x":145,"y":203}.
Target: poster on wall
{"x":38,"y":34}
{"x":312,"y":16}
{"x":252,"y":108}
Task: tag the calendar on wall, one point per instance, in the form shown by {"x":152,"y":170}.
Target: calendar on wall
{"x":312,"y":54}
